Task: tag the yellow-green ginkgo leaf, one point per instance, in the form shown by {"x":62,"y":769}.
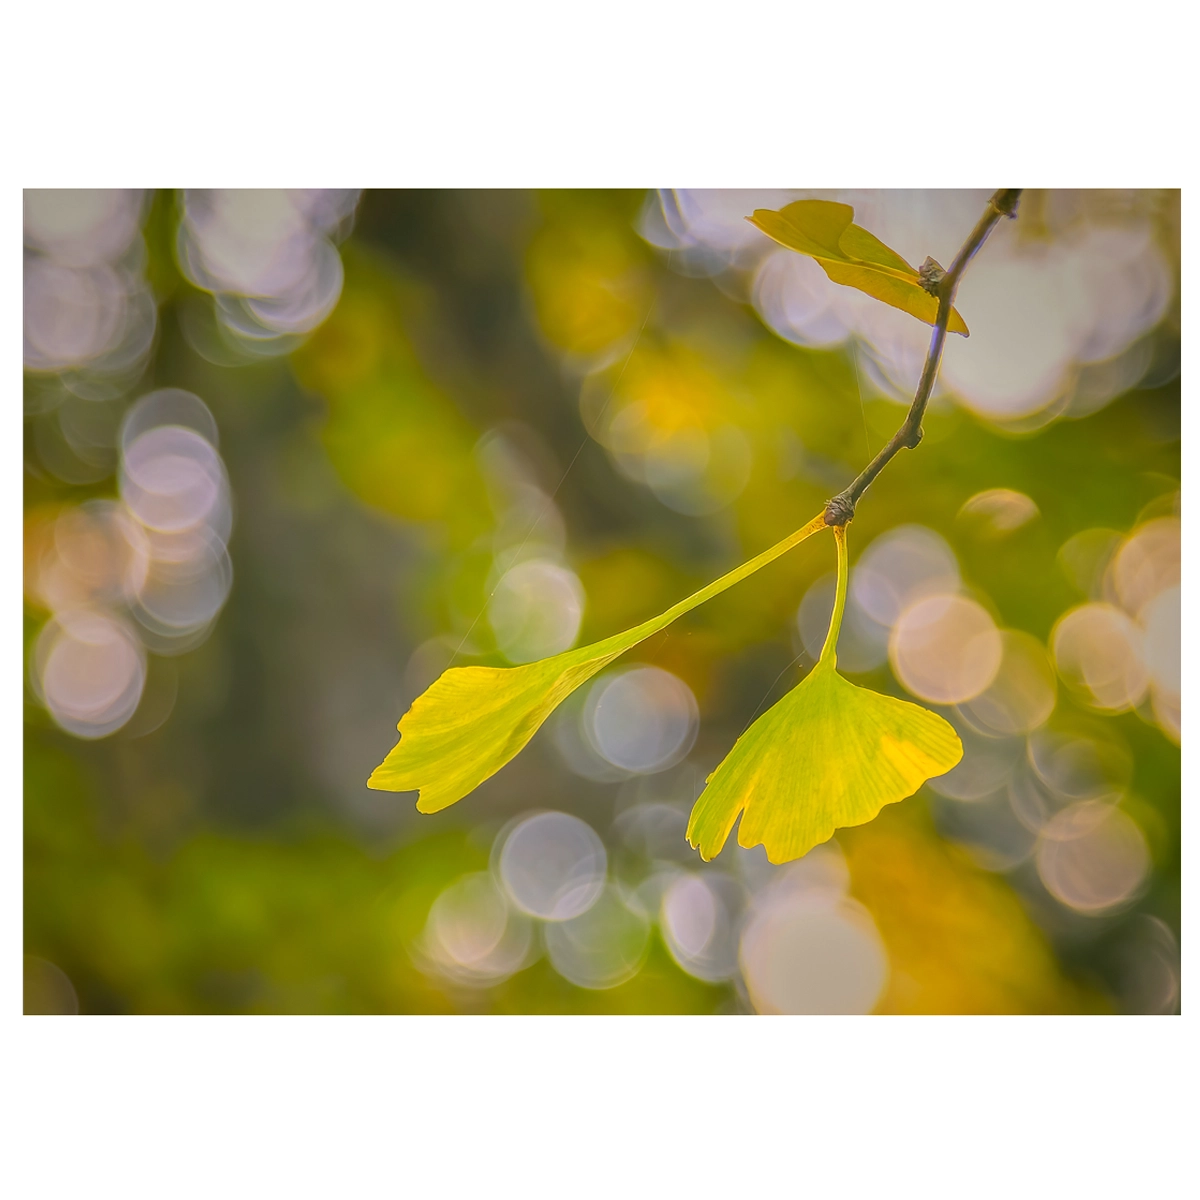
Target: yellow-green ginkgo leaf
{"x":829,"y":754}
{"x":473,"y":720}
{"x":849,"y":255}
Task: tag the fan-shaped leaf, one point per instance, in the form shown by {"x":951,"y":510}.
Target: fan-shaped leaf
{"x":473,"y":720}
{"x":849,"y":255}
{"x":829,"y":754}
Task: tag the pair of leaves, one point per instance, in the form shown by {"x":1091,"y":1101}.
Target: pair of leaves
{"x":473,"y":720}
{"x":824,"y":230}
{"x":829,"y":754}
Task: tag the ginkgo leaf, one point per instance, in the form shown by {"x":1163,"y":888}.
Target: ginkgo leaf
{"x":473,"y":720}
{"x":829,"y":754}
{"x":849,"y":255}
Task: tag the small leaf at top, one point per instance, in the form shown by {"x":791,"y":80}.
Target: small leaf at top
{"x":829,"y":754}
{"x":849,"y":255}
{"x":473,"y":720}
{"x":857,"y":243}
{"x":813,"y":227}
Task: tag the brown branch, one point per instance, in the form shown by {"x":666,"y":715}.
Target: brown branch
{"x":942,"y":284}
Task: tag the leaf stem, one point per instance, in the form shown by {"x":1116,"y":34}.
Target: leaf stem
{"x":840,"y":509}
{"x":829,"y":650}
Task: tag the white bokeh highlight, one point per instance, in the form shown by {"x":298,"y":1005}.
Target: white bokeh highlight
{"x":642,"y":719}
{"x":553,"y":866}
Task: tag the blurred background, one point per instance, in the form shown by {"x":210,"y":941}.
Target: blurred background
{"x":290,"y":454}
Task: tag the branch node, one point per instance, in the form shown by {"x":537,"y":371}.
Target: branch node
{"x":1005,"y":201}
{"x":930,"y":275}
{"x":839,"y":510}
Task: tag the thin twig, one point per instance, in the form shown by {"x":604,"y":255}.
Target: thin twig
{"x":942,"y":284}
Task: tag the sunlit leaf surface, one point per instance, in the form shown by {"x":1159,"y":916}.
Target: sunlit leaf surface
{"x":849,"y":255}
{"x":828,"y":755}
{"x":473,"y":720}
